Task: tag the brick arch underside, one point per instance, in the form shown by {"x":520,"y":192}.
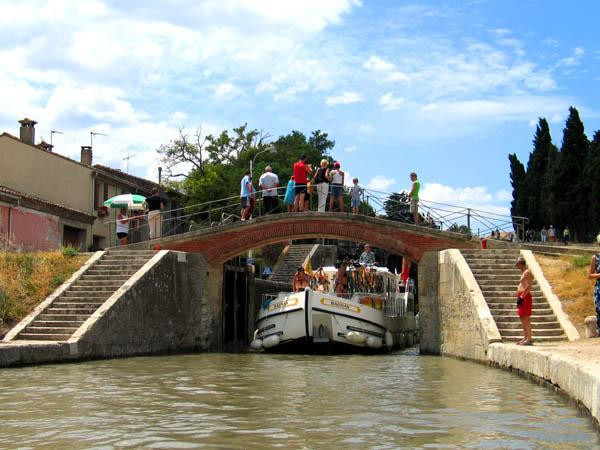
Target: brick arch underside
{"x":222,"y":246}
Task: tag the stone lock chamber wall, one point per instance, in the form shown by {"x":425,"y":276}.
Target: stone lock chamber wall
{"x":453,"y":315}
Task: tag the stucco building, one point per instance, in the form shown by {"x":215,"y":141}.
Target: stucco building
{"x":48,"y":200}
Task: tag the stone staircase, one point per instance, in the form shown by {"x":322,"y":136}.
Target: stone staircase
{"x":73,"y":307}
{"x":498,"y":278}
{"x":294,"y":257}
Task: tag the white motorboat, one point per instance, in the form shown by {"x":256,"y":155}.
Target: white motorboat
{"x":372,"y":316}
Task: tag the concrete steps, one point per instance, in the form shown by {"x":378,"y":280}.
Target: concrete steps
{"x":294,"y":258}
{"x":497,"y":276}
{"x":73,"y":307}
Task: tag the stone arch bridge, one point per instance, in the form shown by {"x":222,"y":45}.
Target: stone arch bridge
{"x":219,"y":244}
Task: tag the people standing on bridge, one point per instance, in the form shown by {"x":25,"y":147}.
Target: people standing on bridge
{"x":367,"y":257}
{"x":322,"y":181}
{"x":155,"y":204}
{"x":566,"y":236}
{"x":301,"y":280}
{"x":301,"y":172}
{"x":544,"y":234}
{"x":336,"y":176}
{"x":246,"y":192}
{"x":288,"y":198}
{"x":524,"y":300}
{"x":122,"y":226}
{"x":594,"y":274}
{"x":413,"y":195}
{"x":268,"y":183}
{"x":552,"y":234}
{"x":356,"y":193}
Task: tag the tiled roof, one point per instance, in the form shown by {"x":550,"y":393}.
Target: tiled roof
{"x":29,"y":201}
{"x":142,"y":182}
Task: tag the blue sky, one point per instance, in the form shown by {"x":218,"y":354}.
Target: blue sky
{"x":446,"y":89}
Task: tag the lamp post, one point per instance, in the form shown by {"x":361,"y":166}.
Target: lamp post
{"x":270,"y":148}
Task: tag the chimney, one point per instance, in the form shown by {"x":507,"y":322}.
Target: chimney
{"x":45,"y":146}
{"x":27,"y":131}
{"x":86,"y":154}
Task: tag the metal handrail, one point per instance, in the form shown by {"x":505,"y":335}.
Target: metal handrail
{"x":436,"y":214}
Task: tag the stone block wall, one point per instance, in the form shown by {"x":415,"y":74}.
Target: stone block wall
{"x":173,"y":305}
{"x":454,"y":317}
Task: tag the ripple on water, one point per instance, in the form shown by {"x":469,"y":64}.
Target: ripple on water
{"x":258,"y":401}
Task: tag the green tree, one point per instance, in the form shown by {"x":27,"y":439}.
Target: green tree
{"x":537,"y":206}
{"x":397,"y":207}
{"x":206,"y":168}
{"x":518,"y":206}
{"x":592,"y":175}
{"x":568,"y":184}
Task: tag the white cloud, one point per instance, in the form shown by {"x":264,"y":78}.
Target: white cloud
{"x":351,"y":149}
{"x":366,"y":129}
{"x":224,"y":90}
{"x":381,"y":183}
{"x":397,"y":76}
{"x":477,"y":197}
{"x":390,"y":102}
{"x":378,"y":64}
{"x":345,"y":98}
{"x":574,"y":59}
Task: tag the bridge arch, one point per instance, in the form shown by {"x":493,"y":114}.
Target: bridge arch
{"x":218,"y":244}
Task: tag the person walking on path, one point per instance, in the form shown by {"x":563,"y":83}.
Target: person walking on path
{"x":356,"y":193}
{"x":566,"y":236}
{"x":322,"y":181}
{"x":337,"y":187}
{"x":544,"y":234}
{"x":524,"y":300}
{"x":413,"y":195}
{"x":594,"y":274}
{"x":122,"y":226}
{"x":268,"y":183}
{"x":301,"y":172}
{"x":245,"y":196}
{"x":155,"y":204}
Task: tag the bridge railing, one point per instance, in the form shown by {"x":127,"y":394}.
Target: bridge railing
{"x":390,"y":206}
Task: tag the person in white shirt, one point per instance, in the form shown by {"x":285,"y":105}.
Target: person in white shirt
{"x":122,"y":226}
{"x":337,"y":187}
{"x":268,"y":184}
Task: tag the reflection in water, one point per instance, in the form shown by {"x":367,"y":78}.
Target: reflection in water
{"x":256,"y":400}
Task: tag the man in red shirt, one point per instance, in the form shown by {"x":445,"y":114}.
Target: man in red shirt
{"x":301,"y":171}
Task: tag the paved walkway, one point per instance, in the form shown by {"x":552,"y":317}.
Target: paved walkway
{"x":573,"y":366}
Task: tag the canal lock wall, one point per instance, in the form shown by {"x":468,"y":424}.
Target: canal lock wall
{"x":455,"y":321}
{"x":172,"y":304}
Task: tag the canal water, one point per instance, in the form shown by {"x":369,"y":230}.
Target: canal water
{"x":262,"y":401}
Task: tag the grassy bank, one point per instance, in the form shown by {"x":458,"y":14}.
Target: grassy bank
{"x":28,"y":278}
{"x":568,"y":276}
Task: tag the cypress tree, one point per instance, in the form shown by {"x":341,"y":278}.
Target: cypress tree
{"x":518,"y":206}
{"x":537,"y":196}
{"x":569,"y":196}
{"x":592,"y":177}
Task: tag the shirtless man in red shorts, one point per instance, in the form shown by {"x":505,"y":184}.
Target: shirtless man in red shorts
{"x":524,"y":300}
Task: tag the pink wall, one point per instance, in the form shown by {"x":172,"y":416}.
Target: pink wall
{"x":31,"y":230}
